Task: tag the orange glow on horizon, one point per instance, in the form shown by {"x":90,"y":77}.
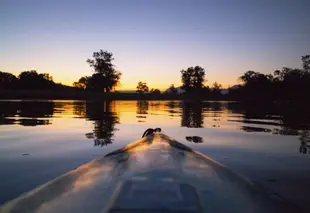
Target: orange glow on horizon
{"x":130,"y":82}
{"x":161,"y":87}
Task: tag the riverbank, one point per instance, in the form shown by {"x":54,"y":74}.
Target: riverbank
{"x":76,"y":94}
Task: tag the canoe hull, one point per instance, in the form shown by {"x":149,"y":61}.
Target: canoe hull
{"x":154,"y":174}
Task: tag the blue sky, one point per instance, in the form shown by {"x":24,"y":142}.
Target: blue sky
{"x":152,"y":40}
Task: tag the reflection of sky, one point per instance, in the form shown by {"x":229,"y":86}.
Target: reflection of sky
{"x":153,"y":41}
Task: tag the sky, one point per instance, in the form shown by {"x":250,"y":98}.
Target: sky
{"x":152,"y":40}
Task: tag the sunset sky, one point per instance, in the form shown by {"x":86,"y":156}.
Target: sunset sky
{"x":152,"y":40}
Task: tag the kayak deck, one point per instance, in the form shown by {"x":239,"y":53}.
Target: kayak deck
{"x":154,"y":174}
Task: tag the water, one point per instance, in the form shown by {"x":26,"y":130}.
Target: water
{"x":40,"y":140}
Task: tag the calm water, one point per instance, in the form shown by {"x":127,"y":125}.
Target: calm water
{"x":40,"y":140}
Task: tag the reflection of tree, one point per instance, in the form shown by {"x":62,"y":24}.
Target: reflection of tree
{"x":295,"y":116}
{"x":142,"y":107}
{"x":173,"y":105}
{"x":36,"y":109}
{"x":155,"y":105}
{"x":290,"y":118}
{"x":255,"y":129}
{"x":104,"y":122}
{"x":194,"y":139}
{"x":192,"y":114}
{"x":304,"y":142}
{"x":79,"y":108}
{"x":285,"y":131}
{"x":26,"y":113}
{"x":142,"y":110}
{"x":8,"y":109}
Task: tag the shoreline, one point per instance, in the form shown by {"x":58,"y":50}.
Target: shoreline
{"x":81,"y":95}
{"x":86,"y":95}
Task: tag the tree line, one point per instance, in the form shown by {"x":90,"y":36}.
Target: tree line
{"x":288,"y":84}
{"x":29,"y":80}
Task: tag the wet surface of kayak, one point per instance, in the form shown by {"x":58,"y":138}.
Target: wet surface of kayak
{"x":154,"y":174}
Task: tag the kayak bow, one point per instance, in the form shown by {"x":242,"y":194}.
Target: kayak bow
{"x":153,"y":174}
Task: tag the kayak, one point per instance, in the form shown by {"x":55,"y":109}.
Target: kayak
{"x":155,"y":174}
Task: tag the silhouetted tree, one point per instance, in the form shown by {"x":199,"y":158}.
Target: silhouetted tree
{"x":155,"y":91}
{"x":256,"y":85}
{"x":33,"y":80}
{"x":216,"y":87}
{"x":306,"y":63}
{"x":82,"y":83}
{"x":304,"y":142}
{"x":142,"y":87}
{"x":7,"y":81}
{"x":216,"y":90}
{"x":285,"y":85}
{"x":290,"y":84}
{"x":251,"y":78}
{"x":172,"y":90}
{"x":105,"y":77}
{"x":206,"y":92}
{"x":193,"y":79}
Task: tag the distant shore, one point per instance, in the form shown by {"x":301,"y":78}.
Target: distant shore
{"x":76,"y":94}
{"x":84,"y":95}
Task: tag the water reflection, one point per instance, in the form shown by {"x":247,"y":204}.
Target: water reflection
{"x":104,"y":118}
{"x":142,"y":111}
{"x":194,"y":139}
{"x":255,"y":129}
{"x":26,"y":113}
{"x":305,"y":142}
{"x":192,"y":114}
{"x":142,"y":107}
{"x":265,"y":118}
{"x":173,"y":108}
{"x":285,"y":131}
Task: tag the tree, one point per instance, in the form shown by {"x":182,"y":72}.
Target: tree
{"x":193,"y":79}
{"x":216,"y":90}
{"x":82,"y":83}
{"x":251,"y":78}
{"x":290,"y":84}
{"x":105,"y":77}
{"x":306,"y":63}
{"x":216,"y":86}
{"x":33,"y":80}
{"x":155,"y":91}
{"x":287,"y":84}
{"x":257,"y":85}
{"x":172,"y":90}
{"x":7,"y":81}
{"x":142,"y":87}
